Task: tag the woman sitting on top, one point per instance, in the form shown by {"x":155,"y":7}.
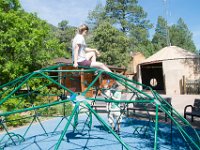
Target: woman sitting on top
{"x":82,"y":55}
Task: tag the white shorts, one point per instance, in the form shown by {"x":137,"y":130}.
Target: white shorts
{"x":114,"y":115}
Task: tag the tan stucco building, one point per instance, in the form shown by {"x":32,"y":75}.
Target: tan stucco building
{"x":167,"y":69}
{"x":136,"y":58}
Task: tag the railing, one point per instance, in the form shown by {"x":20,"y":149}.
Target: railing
{"x":192,"y":86}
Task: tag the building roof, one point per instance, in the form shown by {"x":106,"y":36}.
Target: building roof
{"x":62,"y":60}
{"x":169,"y":53}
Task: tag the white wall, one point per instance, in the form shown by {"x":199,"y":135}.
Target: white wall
{"x":174,"y":70}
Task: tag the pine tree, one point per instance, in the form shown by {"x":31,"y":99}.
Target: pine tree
{"x":181,"y":36}
{"x":130,"y":18}
{"x":160,"y":37}
{"x":111,"y":43}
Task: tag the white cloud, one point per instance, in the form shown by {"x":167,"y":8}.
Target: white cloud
{"x":54,"y":11}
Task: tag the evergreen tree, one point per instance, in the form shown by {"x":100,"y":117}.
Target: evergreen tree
{"x":97,"y":16}
{"x":65,"y":34}
{"x":130,"y":18}
{"x":181,"y":36}
{"x":111,"y":43}
{"x":161,"y":34}
{"x":127,"y":14}
{"x":127,"y":17}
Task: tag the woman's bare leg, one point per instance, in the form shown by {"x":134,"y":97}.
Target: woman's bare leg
{"x":91,"y":56}
{"x":100,"y":66}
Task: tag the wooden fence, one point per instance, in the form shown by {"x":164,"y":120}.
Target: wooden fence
{"x":192,"y":86}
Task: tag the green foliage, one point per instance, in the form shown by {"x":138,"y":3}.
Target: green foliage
{"x":57,"y":110}
{"x":130,"y":18}
{"x":16,"y":120}
{"x":26,"y":44}
{"x":146,"y":48}
{"x":43,"y":96}
{"x":112,"y":43}
{"x":6,"y":5}
{"x":127,"y":17}
{"x":98,"y":16}
{"x":160,"y":36}
{"x":181,"y":36}
{"x":65,"y":33}
{"x":11,"y":105}
{"x":127,"y":14}
{"x":177,"y":34}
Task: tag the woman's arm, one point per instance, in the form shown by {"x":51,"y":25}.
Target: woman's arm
{"x":76,"y":49}
{"x":87,"y":49}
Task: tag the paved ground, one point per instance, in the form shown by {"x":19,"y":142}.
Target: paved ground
{"x":180,"y":101}
{"x":133,"y":132}
{"x":137,"y":134}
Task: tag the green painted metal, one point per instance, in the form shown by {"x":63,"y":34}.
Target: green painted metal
{"x":67,"y":125}
{"x":9,"y":91}
{"x":33,"y":108}
{"x":106,"y":125}
{"x":92,"y":83}
{"x":4,"y":99}
{"x":156,"y":129}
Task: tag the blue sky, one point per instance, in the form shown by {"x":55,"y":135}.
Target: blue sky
{"x":76,"y":11}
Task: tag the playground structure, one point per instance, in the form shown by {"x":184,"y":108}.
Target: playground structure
{"x":36,"y":93}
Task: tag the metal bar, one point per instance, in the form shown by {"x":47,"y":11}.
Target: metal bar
{"x":33,"y":108}
{"x":5,"y":98}
{"x":106,"y":125}
{"x":67,"y":125}
{"x":92,"y":83}
{"x":156,"y":129}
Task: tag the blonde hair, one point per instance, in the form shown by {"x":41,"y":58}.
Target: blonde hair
{"x":82,"y":28}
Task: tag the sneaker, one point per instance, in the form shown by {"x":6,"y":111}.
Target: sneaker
{"x":118,"y":132}
{"x":96,"y":73}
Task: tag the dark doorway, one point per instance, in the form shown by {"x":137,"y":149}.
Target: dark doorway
{"x":152,"y":75}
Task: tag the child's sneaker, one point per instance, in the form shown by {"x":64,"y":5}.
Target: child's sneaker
{"x":118,"y":132}
{"x":96,"y":73}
